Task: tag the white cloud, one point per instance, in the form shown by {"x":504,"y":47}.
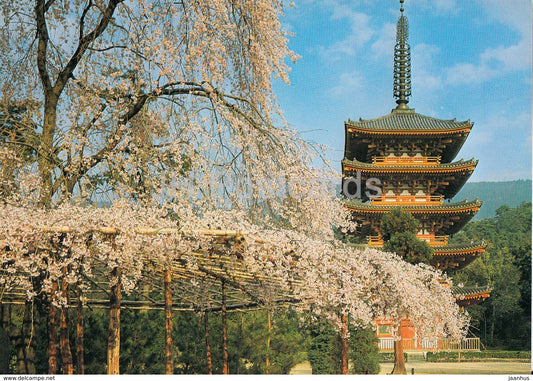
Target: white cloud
{"x":439,"y":6}
{"x":425,"y":82}
{"x":384,"y":45}
{"x":515,"y":14}
{"x":348,"y":83}
{"x":493,"y":62}
{"x":360,"y":32}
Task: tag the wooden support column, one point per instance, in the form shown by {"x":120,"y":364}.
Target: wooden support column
{"x":208,"y":344}
{"x":344,"y":344}
{"x":80,"y":351}
{"x":51,"y":322}
{"x":28,"y":330}
{"x":64,"y":339}
{"x":225,"y":369}
{"x":169,"y":356}
{"x":269,"y":326}
{"x":113,"y":342}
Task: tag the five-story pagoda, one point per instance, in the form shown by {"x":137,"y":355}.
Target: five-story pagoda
{"x":411,"y":157}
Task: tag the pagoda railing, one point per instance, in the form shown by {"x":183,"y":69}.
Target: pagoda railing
{"x":408,"y":200}
{"x":433,"y":240}
{"x":406,"y":160}
{"x":471,"y":344}
{"x":375,"y":240}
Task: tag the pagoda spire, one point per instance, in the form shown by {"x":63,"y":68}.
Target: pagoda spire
{"x":402,"y":63}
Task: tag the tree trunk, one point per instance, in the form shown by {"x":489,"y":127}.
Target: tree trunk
{"x":399,"y":361}
{"x":113,"y":343}
{"x":169,"y":367}
{"x":46,"y":148}
{"x":80,"y":358}
{"x":64,"y":341}
{"x":52,"y":331}
{"x":269,"y":326}
{"x":208,"y":344}
{"x":344,"y":344}
{"x":225,"y":369}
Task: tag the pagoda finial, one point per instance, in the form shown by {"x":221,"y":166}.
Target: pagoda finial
{"x":402,"y":63}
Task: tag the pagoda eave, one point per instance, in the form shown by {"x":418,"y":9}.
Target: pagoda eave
{"x":468,"y":296}
{"x":454,"y":258}
{"x":457,"y":166}
{"x":408,"y":131}
{"x":451,"y":217}
{"x":445,"y":208}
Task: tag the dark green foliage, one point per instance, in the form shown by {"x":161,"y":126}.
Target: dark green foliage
{"x":397,"y":221}
{"x":5,"y":351}
{"x":398,"y":229}
{"x":322,"y":348}
{"x":142,"y":344}
{"x":504,"y":320}
{"x":95,"y":331}
{"x":325,"y":354}
{"x":409,"y":247}
{"x":444,"y":356}
{"x":364,"y":352}
{"x":287,"y":345}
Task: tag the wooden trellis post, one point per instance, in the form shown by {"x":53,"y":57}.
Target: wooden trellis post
{"x":80,"y":360}
{"x":113,"y":342}
{"x":64,"y":340}
{"x":169,"y":366}
{"x":225,"y":369}
{"x":269,"y":326}
{"x":344,"y":344}
{"x":51,"y":320}
{"x":208,"y":344}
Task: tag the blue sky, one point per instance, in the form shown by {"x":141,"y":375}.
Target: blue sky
{"x":471,"y":59}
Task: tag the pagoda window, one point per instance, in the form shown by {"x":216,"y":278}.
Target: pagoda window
{"x":385,"y":330}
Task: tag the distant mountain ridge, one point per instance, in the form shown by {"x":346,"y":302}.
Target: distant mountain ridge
{"x":495,"y":194}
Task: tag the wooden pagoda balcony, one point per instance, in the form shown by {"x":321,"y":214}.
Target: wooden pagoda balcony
{"x":406,"y":160}
{"x":433,"y":240}
{"x":408,"y":200}
{"x":375,"y":240}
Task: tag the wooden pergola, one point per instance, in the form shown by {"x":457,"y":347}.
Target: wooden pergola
{"x":217,"y":279}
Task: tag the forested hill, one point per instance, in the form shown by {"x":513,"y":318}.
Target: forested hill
{"x":495,"y":194}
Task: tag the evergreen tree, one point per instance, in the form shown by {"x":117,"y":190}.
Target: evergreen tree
{"x":324,"y":351}
{"x":398,"y":229}
{"x":503,"y":320}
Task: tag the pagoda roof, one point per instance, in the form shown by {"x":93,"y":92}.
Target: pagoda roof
{"x":454,"y":215}
{"x":470,"y":295}
{"x":454,"y":257}
{"x":443,"y":167}
{"x":408,"y":121}
{"x":450,"y":207}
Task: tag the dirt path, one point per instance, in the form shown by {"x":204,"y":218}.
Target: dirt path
{"x":423,"y":367}
{"x":487,"y":367}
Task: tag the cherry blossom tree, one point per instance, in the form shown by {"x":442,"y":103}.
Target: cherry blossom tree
{"x":163,"y":110}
